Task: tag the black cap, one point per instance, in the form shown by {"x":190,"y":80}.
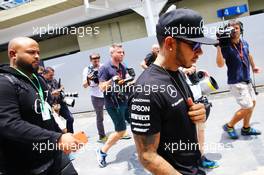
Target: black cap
{"x":186,"y":24}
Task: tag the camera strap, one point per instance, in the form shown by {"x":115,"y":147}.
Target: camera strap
{"x":240,"y":52}
{"x":44,"y":106}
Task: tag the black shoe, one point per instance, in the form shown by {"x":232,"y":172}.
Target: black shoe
{"x":249,"y":131}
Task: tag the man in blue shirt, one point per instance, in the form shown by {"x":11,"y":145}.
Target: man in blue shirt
{"x":238,"y":60}
{"x":111,"y":72}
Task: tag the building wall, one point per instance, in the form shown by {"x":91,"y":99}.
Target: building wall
{"x":52,"y":47}
{"x":255,"y":5}
{"x":59,"y":45}
{"x":3,"y":57}
{"x":120,"y":29}
{"x":130,"y":27}
{"x":208,"y":8}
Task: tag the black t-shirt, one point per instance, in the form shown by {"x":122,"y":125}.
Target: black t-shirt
{"x":158,"y":105}
{"x":23,"y":132}
{"x":150,"y":58}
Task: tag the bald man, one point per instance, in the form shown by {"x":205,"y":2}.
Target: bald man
{"x":151,"y":57}
{"x":31,"y":142}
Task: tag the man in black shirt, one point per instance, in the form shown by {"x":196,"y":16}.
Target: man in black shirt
{"x":163,"y":115}
{"x":31,"y":143}
{"x":151,"y":57}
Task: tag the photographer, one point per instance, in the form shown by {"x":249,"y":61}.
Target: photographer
{"x":234,"y":52}
{"x":109,"y":73}
{"x":55,"y":90}
{"x":90,"y":79}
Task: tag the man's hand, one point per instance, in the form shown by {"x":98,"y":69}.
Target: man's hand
{"x":61,"y":88}
{"x":220,"y":61}
{"x":121,"y":82}
{"x":90,"y":76}
{"x":116,"y":78}
{"x":143,"y":64}
{"x":86,"y":83}
{"x":107,"y":84}
{"x":190,"y":71}
{"x":256,"y":70}
{"x":67,"y":143}
{"x":197,"y":112}
{"x":55,"y":93}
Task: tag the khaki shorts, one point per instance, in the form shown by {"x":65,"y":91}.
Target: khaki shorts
{"x":244,"y":94}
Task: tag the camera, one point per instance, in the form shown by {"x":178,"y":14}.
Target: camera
{"x":224,"y":35}
{"x":194,"y":78}
{"x":65,"y":97}
{"x":93,"y":76}
{"x":131,"y":72}
{"x":207,"y":83}
{"x":207,"y":105}
{"x":73,"y":94}
{"x":121,"y":88}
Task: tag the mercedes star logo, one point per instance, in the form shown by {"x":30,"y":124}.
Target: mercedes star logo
{"x":172,"y":91}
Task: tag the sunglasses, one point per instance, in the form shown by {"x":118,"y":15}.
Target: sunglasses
{"x":194,"y":45}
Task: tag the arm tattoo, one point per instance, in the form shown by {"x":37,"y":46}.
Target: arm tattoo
{"x":147,"y":146}
{"x":148,"y":140}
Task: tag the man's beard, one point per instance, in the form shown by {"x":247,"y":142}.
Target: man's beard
{"x":26,"y":67}
{"x":180,"y":59}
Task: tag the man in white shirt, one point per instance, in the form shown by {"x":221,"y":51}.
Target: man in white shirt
{"x":90,"y":79}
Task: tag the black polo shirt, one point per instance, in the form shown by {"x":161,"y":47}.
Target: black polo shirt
{"x":150,"y":58}
{"x":159,"y":106}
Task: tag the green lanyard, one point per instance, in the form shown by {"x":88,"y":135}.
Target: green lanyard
{"x":39,"y":89}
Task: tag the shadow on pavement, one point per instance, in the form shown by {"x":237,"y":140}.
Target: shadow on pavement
{"x":129,"y":155}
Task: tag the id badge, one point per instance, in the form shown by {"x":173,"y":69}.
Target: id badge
{"x":46,"y":112}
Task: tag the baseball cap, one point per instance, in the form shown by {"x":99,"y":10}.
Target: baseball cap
{"x":185,"y":24}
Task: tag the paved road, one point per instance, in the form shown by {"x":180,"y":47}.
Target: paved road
{"x":244,"y":156}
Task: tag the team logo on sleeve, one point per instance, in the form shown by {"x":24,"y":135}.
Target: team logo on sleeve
{"x":140,"y":117}
{"x":140,"y":108}
{"x":172,"y":91}
{"x":140,"y":100}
